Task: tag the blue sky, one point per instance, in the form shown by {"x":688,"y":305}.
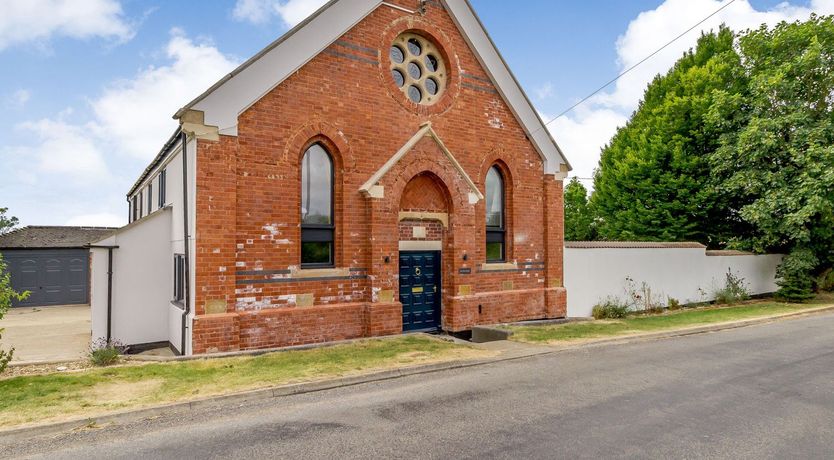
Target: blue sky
{"x":87,"y":90}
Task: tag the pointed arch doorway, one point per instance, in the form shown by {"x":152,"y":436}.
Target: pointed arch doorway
{"x":423,"y":229}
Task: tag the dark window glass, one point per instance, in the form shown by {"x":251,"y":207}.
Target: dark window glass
{"x":179,"y":277}
{"x":398,"y":77}
{"x":414,"y":47}
{"x":141,"y":203}
{"x":414,"y":70}
{"x":397,"y":54}
{"x":162,"y":188}
{"x":316,"y":186}
{"x":431,"y":63}
{"x":317,"y":253}
{"x":415,"y":94}
{"x":316,"y":208}
{"x":494,"y":216}
{"x":431,"y":86}
{"x":150,"y":198}
{"x":135,"y":206}
{"x":494,"y":252}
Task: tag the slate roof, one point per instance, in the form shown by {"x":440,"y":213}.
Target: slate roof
{"x":633,"y":245}
{"x":37,"y":237}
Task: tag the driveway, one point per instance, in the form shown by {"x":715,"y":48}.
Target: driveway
{"x":756,"y":392}
{"x":47,"y":333}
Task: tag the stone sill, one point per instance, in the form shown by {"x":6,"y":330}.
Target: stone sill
{"x":488,"y":267}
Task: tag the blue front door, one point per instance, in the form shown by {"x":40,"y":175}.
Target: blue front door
{"x":420,"y":290}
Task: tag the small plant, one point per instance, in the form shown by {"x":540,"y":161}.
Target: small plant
{"x":642,"y":299}
{"x":7,"y":294}
{"x":673,"y":304}
{"x":610,"y":309}
{"x":104,"y":353}
{"x":734,"y":290}
{"x":825,"y":282}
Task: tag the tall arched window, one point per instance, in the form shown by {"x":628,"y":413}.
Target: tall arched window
{"x":495,"y":231}
{"x":316,"y":208}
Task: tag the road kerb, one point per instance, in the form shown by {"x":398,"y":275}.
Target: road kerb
{"x":323,"y":385}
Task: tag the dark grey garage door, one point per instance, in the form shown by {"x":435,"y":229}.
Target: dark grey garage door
{"x":53,"y":276}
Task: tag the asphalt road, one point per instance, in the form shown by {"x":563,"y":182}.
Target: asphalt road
{"x":757,"y":392}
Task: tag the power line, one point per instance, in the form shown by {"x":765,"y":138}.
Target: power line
{"x":641,"y":61}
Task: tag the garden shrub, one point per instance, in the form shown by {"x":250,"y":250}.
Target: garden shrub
{"x":733,"y":291}
{"x":825,"y":282}
{"x":795,"y":281}
{"x":104,"y":353}
{"x":673,"y":304}
{"x":610,"y":309}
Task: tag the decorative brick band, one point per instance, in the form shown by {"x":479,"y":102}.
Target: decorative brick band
{"x":352,"y":57}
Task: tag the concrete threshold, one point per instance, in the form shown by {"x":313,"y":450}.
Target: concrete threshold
{"x":510,"y":353}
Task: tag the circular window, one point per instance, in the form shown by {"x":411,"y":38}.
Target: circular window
{"x":417,"y":68}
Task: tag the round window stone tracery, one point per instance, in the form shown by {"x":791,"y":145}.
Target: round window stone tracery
{"x":417,"y":68}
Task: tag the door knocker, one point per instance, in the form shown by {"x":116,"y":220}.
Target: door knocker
{"x":417,"y":271}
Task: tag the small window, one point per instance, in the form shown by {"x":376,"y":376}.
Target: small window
{"x":179,"y":277}
{"x":317,"y":208}
{"x":150,"y":198}
{"x":134,"y":208}
{"x":162,"y":189}
{"x":495,"y":232}
{"x":141,"y":203}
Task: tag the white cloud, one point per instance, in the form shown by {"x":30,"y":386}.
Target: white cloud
{"x":291,"y":12}
{"x":102,"y":219}
{"x":40,"y":20}
{"x":544,"y":91}
{"x":66,"y":150}
{"x":76,"y":169}
{"x":136,"y":113}
{"x":582,"y":133}
{"x":19,"y":98}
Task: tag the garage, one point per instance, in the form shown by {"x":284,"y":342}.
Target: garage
{"x":52,"y":263}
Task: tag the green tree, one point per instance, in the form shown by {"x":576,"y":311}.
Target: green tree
{"x":579,"y":219}
{"x":653,"y":180}
{"x":776,"y":155}
{"x":7,"y":294}
{"x":7,"y":223}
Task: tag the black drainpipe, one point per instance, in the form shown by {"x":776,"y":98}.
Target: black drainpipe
{"x":187,"y":299}
{"x":109,"y":294}
{"x":109,"y":288}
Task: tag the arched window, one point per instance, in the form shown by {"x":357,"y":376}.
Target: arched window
{"x":495,"y":231}
{"x":316,"y":208}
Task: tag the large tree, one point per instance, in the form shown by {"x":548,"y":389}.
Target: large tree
{"x":7,"y":223}
{"x":776,"y":153}
{"x":579,"y":219}
{"x":653,"y":180}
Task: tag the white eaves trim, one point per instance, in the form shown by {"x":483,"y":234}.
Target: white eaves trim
{"x":224,"y":101}
{"x":236,"y":92}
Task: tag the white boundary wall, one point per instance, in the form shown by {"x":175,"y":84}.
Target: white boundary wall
{"x":688,"y":274}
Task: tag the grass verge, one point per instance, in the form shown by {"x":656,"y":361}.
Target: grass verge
{"x":95,"y":392}
{"x":638,"y":324}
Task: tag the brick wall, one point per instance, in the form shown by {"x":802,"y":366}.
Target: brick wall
{"x":248,"y":193}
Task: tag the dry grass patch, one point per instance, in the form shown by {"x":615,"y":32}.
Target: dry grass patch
{"x":94,"y":392}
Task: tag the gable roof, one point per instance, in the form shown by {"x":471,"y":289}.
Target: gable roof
{"x":39,"y":237}
{"x":225,"y":100}
{"x":425,"y":130}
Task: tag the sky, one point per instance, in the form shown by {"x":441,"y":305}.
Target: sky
{"x":88,"y":87}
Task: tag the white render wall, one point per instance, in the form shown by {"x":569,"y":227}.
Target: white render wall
{"x":142,"y":274}
{"x":686,"y":274}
